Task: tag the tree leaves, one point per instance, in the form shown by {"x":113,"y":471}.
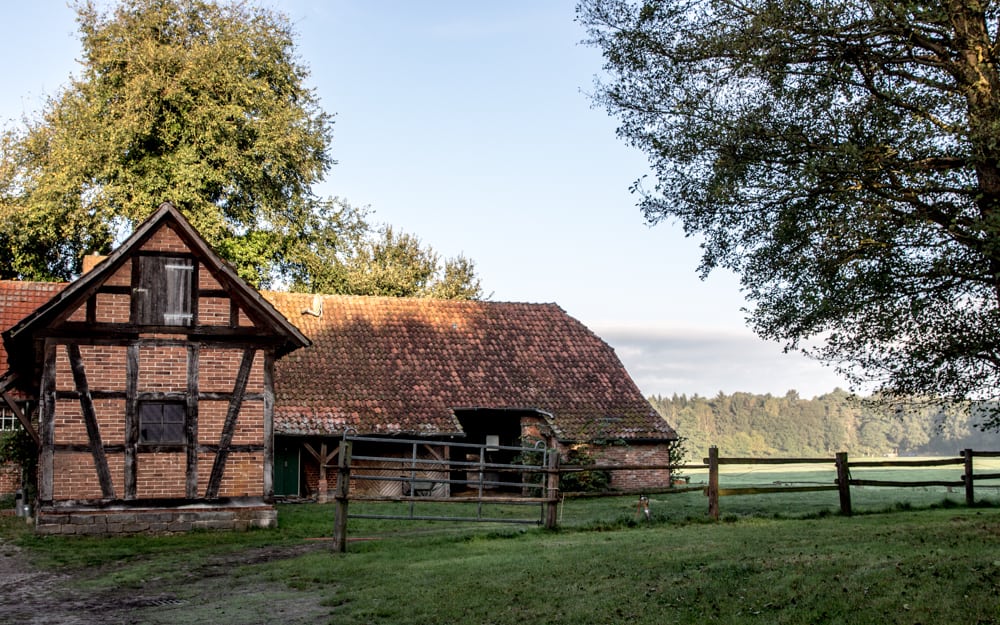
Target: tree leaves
{"x":203,"y":104}
{"x":842,"y":157}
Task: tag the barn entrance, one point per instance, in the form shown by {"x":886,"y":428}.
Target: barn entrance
{"x":498,"y":433}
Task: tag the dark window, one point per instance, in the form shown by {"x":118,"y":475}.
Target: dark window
{"x":161,"y":422}
{"x":163,"y":291}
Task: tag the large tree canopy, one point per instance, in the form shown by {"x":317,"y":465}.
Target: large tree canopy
{"x":201,"y":103}
{"x":843,"y":157}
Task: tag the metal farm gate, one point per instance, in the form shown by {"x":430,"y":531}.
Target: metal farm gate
{"x":480,"y":476}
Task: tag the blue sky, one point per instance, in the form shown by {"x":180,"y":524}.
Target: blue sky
{"x":468,"y":125}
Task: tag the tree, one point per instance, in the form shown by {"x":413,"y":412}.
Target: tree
{"x":198,"y":103}
{"x":394,"y":265}
{"x":201,"y":103}
{"x":843,"y":157}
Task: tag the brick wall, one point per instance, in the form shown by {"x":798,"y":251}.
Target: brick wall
{"x":207,"y":281}
{"x":535,"y":428}
{"x":638,"y":453}
{"x":243,"y":477}
{"x":160,"y":475}
{"x":10,"y":478}
{"x":213,"y":311}
{"x":122,"y":276}
{"x":162,"y":369}
{"x":218,"y":368}
{"x":165,"y":240}
{"x":74,"y":476}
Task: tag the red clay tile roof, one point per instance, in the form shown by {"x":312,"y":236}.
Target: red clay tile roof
{"x":400,"y":365}
{"x":397,"y":365}
{"x":20,"y":299}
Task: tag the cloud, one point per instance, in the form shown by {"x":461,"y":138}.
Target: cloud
{"x":664,"y":360}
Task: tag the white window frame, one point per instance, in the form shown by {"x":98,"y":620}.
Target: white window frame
{"x":8,"y":420}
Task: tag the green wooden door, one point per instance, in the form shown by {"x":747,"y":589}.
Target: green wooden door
{"x":286,"y":470}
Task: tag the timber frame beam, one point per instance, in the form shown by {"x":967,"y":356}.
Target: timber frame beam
{"x":229,"y":427}
{"x":5,"y":383}
{"x":90,"y":420}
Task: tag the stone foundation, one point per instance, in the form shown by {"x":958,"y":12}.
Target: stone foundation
{"x":85,"y":521}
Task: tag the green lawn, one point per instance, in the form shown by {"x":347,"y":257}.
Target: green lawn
{"x":606,"y":564}
{"x":940,"y":566}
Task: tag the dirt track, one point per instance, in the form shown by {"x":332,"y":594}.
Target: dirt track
{"x":210,"y":594}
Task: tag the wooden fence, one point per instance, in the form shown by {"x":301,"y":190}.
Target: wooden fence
{"x":844,"y":481}
{"x":548,"y":471}
{"x":842,"y":484}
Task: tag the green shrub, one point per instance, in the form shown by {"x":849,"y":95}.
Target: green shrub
{"x":583,"y":481}
{"x":17,"y":447}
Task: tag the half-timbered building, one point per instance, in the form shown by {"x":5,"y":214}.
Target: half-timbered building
{"x":152,"y":376}
{"x":166,"y":394}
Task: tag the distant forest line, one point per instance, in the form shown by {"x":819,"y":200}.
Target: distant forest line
{"x":745,"y":424}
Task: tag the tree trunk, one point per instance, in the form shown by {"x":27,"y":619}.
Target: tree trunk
{"x":978,"y":75}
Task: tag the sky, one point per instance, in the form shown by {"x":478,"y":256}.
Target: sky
{"x":469,"y":125}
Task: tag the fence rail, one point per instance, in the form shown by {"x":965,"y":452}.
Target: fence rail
{"x":430,"y":479}
{"x":844,"y":481}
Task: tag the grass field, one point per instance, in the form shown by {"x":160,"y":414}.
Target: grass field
{"x":894,"y":562}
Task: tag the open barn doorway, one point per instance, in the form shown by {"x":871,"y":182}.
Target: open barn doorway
{"x":494,"y":429}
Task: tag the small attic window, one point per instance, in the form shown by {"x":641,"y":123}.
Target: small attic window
{"x":162,"y":291}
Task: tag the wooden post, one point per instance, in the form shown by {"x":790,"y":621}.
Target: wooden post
{"x":131,"y":416}
{"x":23,"y":418}
{"x":447,"y":456}
{"x":268,"y":406}
{"x":844,"y":483}
{"x":552,"y":489}
{"x":322,"y":495}
{"x":970,"y":496}
{"x":713,"y":482}
{"x":191,"y":424}
{"x":46,"y":424}
{"x":340,"y":498}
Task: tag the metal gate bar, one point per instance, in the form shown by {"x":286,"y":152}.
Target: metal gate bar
{"x":416,"y":469}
